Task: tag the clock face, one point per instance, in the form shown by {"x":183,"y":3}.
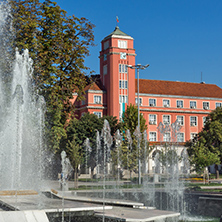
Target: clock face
{"x":122,"y":55}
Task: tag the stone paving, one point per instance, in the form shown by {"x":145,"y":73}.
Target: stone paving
{"x":129,"y":214}
{"x":118,"y":209}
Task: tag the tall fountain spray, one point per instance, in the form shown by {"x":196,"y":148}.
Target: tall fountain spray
{"x":21,"y":121}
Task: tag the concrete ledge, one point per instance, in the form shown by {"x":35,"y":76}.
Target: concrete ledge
{"x":17,"y":192}
{"x":23,"y":216}
{"x":138,"y":215}
{"x":211,"y":187}
{"x":116,"y":202}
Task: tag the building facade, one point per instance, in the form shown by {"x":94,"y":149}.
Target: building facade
{"x":160,"y":101}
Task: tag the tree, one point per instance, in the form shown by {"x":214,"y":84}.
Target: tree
{"x":86,"y":127}
{"x":76,"y":158}
{"x":206,"y":148}
{"x":130,"y":119}
{"x":130,"y":122}
{"x":58,"y":45}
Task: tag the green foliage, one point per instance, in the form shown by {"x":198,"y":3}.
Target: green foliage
{"x":58,"y":45}
{"x":130,"y":122}
{"x":206,"y":149}
{"x":86,"y":127}
{"x":130,"y":119}
{"x":74,"y":154}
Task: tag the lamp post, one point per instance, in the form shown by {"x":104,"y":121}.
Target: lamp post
{"x":138,"y":67}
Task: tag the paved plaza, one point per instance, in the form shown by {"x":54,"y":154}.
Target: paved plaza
{"x":35,"y":206}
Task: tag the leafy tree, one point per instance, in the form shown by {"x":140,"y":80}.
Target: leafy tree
{"x":206,"y":148}
{"x":58,"y":45}
{"x":86,"y":127}
{"x":130,"y":119}
{"x":130,"y":122}
{"x":76,"y":158}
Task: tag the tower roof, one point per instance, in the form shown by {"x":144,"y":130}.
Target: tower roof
{"x":118,"y":33}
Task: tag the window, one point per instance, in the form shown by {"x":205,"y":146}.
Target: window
{"x":122,"y":44}
{"x":180,"y":120}
{"x":166,"y":119}
{"x":166,"y":137}
{"x":123,"y":99}
{"x":123,"y":68}
{"x":166,"y":102}
{"x":106,"y":45}
{"x":152,"y":136}
{"x":180,"y":137}
{"x":193,"y":136}
{"x":152,"y":119}
{"x":206,"y":105}
{"x":97,"y":99}
{"x":152,"y":102}
{"x":179,"y":103}
{"x":140,"y":101}
{"x":126,"y":84}
{"x":126,"y":99}
{"x":98,"y":114}
{"x":126,"y":68}
{"x":105,"y":57}
{"x":204,"y":120}
{"x":104,"y":69}
{"x":123,"y":84}
{"x":193,"y":104}
{"x":193,"y":120}
{"x":218,"y":105}
{"x":120,"y":84}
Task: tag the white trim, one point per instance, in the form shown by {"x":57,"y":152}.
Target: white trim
{"x":167,"y":118}
{"x":95,"y":107}
{"x":121,"y":36}
{"x":183,"y":119}
{"x":96,"y":91}
{"x":192,"y":123}
{"x":155,"y":136}
{"x":191,"y":107}
{"x":175,"y":111}
{"x":206,"y":107}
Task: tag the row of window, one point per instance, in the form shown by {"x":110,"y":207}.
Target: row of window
{"x":167,"y":137}
{"x":180,"y":120}
{"x":123,"y":68}
{"x":123,"y":84}
{"x":123,"y":99}
{"x":121,"y":44}
{"x":166,"y":103}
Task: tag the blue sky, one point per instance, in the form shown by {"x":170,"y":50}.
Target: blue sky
{"x":178,"y":38}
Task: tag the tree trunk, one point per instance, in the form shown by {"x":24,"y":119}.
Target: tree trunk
{"x":76,"y":179}
{"x":217,"y":174}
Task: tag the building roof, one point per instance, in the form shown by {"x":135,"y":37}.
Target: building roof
{"x":94,"y":86}
{"x":117,"y":32}
{"x":179,"y":88}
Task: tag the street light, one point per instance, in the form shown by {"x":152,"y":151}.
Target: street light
{"x":138,"y":67}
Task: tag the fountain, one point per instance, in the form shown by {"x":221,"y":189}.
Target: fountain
{"x":22,"y":151}
{"x":21,"y":137}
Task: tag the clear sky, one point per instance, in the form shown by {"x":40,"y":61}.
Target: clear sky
{"x":178,"y":38}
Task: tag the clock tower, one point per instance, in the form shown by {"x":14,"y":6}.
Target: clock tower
{"x":118,"y":52}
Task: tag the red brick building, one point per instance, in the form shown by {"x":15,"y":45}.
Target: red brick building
{"x":160,"y":101}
